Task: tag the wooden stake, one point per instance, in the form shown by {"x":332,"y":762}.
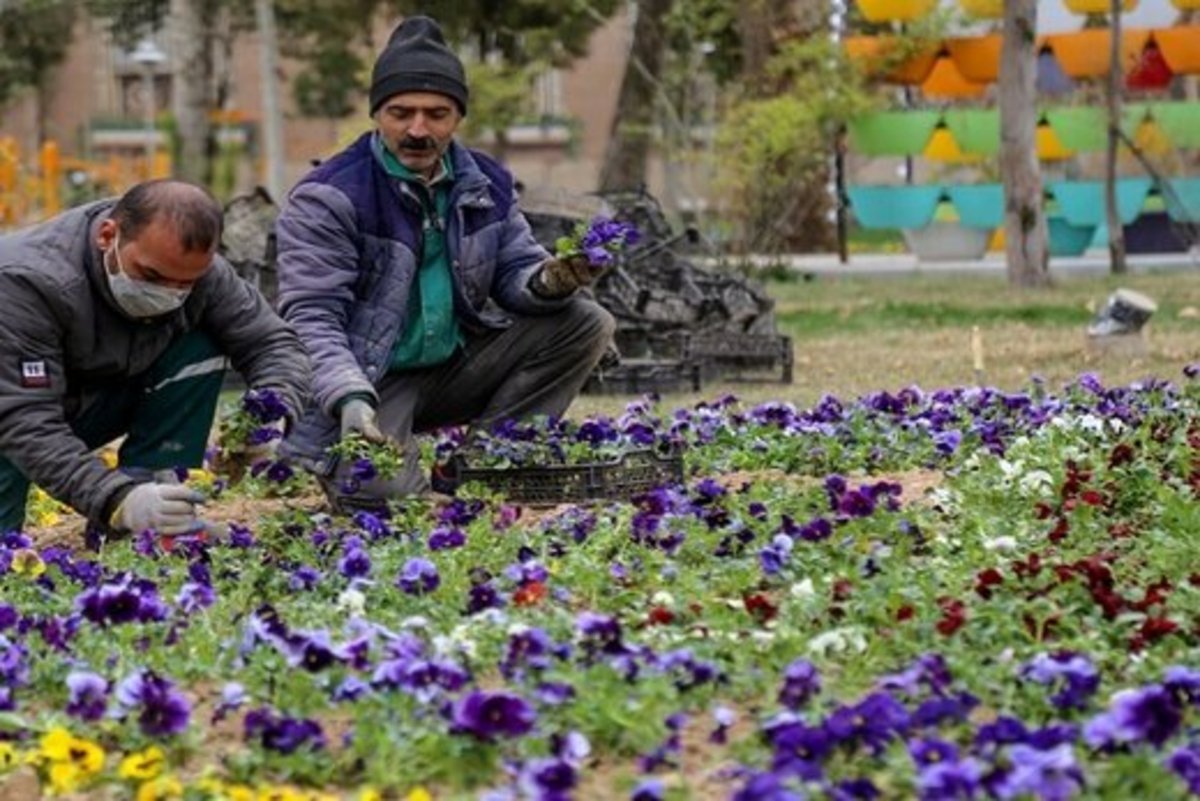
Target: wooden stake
{"x":977,"y":353}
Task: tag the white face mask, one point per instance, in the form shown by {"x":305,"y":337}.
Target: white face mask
{"x":141,"y":298}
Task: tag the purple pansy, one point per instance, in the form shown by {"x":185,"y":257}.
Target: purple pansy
{"x":162,"y":710}
{"x":88,"y":695}
{"x":418,"y":576}
{"x":490,"y":715}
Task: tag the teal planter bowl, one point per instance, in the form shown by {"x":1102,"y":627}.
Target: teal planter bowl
{"x":979,"y":205}
{"x":894,"y":206}
{"x":1082,"y":202}
{"x":1067,"y":239}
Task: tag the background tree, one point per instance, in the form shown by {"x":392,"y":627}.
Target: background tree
{"x":635,"y":121}
{"x":34,"y":37}
{"x":775,"y":150}
{"x":1026,"y":237}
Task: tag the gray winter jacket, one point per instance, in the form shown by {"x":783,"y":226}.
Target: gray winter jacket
{"x":56,"y":308}
{"x":349,"y":242}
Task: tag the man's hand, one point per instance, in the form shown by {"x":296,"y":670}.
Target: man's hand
{"x":560,"y":277}
{"x":358,"y":416}
{"x":166,"y":508}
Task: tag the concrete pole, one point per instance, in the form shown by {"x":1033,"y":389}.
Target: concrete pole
{"x":272,"y":122}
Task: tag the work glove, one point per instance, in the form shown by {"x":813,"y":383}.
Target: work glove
{"x":560,"y":277}
{"x":358,"y":416}
{"x":166,"y":508}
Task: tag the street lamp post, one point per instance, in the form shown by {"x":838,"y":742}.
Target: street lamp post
{"x":148,"y":56}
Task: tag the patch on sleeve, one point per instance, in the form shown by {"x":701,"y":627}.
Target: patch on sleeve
{"x":34,"y":374}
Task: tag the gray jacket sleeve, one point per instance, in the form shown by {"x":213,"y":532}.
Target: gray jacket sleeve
{"x":261,"y":346}
{"x":318,"y":271}
{"x":34,"y":432}
{"x":519,"y":259}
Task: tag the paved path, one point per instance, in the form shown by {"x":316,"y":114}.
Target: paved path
{"x":1094,"y":262}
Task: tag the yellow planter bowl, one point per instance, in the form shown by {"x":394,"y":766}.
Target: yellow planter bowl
{"x":1049,"y":146}
{"x":902,"y":10}
{"x":1186,"y":5}
{"x":1095,"y":6}
{"x":944,"y":148}
{"x":986,"y":9}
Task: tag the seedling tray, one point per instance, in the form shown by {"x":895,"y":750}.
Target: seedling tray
{"x":765,"y":358}
{"x":638,"y":377}
{"x":633,"y":474}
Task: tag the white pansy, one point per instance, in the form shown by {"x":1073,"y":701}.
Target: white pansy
{"x":1036,"y":480}
{"x":847,"y":639}
{"x":661,"y":598}
{"x":1002,"y":543}
{"x":803,"y":590}
{"x":352,"y":601}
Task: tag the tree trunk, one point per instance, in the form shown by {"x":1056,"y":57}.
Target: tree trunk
{"x":191,"y":91}
{"x":633,"y":126}
{"x":1024,"y":216}
{"x":1116,"y":73}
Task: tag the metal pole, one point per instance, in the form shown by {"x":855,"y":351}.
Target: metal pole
{"x":1116,"y":72}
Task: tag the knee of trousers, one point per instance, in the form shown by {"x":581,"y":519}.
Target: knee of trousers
{"x":593,"y":323}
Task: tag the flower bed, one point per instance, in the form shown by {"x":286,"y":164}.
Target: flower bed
{"x":793,"y":621}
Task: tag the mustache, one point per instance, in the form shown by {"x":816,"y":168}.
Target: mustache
{"x":418,"y":143}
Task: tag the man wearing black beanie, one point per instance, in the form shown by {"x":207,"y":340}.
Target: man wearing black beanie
{"x":412,"y":277}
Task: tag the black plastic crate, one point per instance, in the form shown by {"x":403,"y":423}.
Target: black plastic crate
{"x":741,"y":357}
{"x":623,"y":479}
{"x":638,"y":377}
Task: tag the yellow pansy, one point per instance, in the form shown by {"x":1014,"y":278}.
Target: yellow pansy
{"x":8,"y":757}
{"x":211,"y":785}
{"x":142,"y":766}
{"x":370,"y":794}
{"x":279,"y":793}
{"x":419,"y":794}
{"x":201,"y":475}
{"x":56,"y":744}
{"x":61,"y":748}
{"x":65,"y":777}
{"x":26,"y":561}
{"x":240,"y":792}
{"x":163,"y":788}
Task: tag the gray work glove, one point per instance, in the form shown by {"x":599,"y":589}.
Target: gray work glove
{"x":560,"y":277}
{"x":359,"y":416}
{"x":166,"y":508}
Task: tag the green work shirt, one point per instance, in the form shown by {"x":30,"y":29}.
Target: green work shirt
{"x":431,"y":333}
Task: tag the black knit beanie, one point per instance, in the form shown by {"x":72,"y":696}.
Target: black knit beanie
{"x":416,"y":59}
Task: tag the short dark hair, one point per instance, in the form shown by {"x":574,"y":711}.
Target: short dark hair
{"x":190,"y":209}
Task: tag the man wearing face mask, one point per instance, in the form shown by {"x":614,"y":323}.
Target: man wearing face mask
{"x":118,"y":319}
{"x":413,"y":279}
